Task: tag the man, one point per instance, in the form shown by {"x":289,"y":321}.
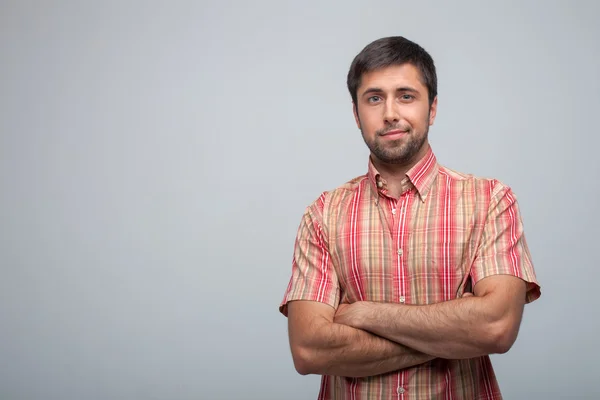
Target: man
{"x":405,"y":279}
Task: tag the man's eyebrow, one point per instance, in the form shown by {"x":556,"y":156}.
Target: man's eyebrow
{"x":372,"y":90}
{"x":400,"y":89}
{"x":407,"y":89}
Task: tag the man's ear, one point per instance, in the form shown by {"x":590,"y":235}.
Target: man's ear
{"x":433,"y":111}
{"x":356,"y":117}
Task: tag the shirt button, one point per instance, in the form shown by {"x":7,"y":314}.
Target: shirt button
{"x":394,"y":211}
{"x":401,"y":390}
{"x":402,"y":299}
{"x":399,"y":252}
{"x":380,"y":184}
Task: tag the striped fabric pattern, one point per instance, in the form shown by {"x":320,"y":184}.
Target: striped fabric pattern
{"x":446,"y":232}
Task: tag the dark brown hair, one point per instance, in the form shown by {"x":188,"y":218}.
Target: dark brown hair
{"x":388,"y":51}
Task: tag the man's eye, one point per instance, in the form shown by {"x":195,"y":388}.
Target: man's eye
{"x":374,"y":99}
{"x":407,"y":97}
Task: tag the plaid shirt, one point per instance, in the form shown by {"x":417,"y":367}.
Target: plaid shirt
{"x":446,"y":231}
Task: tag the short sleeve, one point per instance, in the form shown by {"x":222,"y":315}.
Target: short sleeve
{"x":503,"y":248}
{"x":313,"y":276}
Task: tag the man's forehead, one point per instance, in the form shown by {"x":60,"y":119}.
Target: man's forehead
{"x":392,"y":77}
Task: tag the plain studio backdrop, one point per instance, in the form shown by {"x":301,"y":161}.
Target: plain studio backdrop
{"x":156,"y":158}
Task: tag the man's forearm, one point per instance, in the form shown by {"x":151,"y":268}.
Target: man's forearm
{"x":455,"y":329}
{"x":341,"y":350}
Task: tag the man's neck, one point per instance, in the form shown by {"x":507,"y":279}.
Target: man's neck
{"x":391,"y":172}
{"x":394,"y":174}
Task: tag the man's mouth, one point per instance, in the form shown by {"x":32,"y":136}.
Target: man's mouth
{"x":394,"y":134}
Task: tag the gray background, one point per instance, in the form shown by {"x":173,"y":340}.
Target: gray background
{"x":156,"y":157}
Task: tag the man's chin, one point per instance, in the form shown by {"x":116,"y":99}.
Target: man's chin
{"x":389,"y":159}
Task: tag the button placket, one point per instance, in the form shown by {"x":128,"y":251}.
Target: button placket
{"x":404,"y":222}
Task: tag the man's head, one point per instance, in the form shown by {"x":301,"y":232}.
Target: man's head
{"x":393,"y":85}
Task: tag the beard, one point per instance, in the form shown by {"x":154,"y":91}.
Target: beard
{"x":401,"y":151}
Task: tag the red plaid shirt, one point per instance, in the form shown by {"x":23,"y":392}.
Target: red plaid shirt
{"x":447,"y":230}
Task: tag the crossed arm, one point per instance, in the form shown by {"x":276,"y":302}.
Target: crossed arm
{"x":324,"y":347}
{"x":365,"y":338}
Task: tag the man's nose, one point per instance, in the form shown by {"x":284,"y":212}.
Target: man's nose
{"x":391,"y":113}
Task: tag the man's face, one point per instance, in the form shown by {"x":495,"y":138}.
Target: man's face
{"x":393,"y":113}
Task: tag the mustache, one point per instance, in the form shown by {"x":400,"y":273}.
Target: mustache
{"x":382,"y":132}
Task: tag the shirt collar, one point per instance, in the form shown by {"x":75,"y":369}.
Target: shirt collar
{"x":421,"y":176}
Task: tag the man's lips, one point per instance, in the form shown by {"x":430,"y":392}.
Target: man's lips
{"x":395,"y":134}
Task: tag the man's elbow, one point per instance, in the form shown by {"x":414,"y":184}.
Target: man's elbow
{"x":303,"y":360}
{"x":504,"y":335}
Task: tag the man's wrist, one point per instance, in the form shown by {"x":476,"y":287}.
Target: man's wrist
{"x":364,"y":316}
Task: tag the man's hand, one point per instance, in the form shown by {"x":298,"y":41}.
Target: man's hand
{"x":349,"y":314}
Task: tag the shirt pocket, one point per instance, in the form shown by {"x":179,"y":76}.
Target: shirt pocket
{"x":438,"y":268}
